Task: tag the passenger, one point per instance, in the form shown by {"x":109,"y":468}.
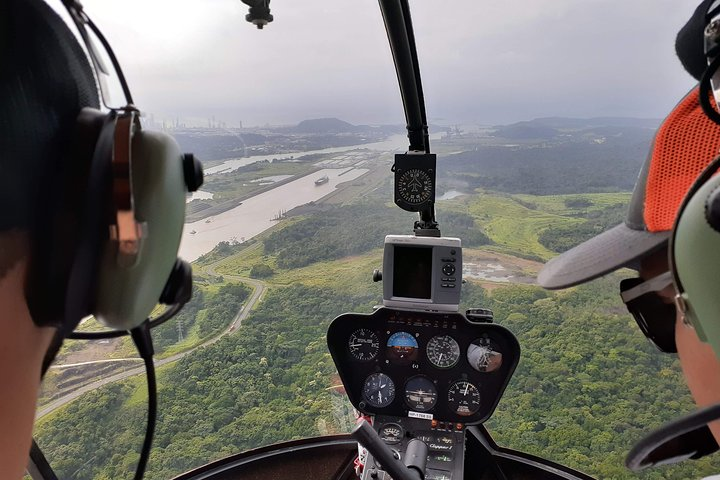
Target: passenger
{"x":684,"y":145}
{"x":45,"y":80}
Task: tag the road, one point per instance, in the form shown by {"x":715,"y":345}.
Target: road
{"x":259,"y":289}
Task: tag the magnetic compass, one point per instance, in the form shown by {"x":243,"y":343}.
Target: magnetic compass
{"x":415,"y":186}
{"x":414,"y":181}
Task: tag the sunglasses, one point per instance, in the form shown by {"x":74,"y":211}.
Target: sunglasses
{"x":655,"y":317}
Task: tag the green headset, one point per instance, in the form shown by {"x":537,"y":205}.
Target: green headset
{"x":695,"y":256}
{"x":117,"y":259}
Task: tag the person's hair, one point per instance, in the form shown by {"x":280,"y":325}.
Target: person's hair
{"x":45,"y":81}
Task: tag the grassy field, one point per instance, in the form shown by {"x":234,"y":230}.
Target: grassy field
{"x":514,"y":222}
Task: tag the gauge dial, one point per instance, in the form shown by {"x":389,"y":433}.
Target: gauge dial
{"x":415,"y":186}
{"x":420,"y":394}
{"x":364,"y":344}
{"x":402,"y":348}
{"x":443,"y":351}
{"x":391,"y":433}
{"x":484,"y":355}
{"x":379,"y":390}
{"x":464,"y":398}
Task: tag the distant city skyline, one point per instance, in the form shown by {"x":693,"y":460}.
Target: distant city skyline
{"x":482,"y":62}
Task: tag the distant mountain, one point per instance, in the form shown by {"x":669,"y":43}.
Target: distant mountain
{"x":526,"y":131}
{"x":324,"y":125}
{"x":548,"y":128}
{"x":571,"y":123}
{"x":320,"y":126}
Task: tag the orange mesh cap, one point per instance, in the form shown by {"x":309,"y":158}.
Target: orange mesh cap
{"x":686,"y":142}
{"x":684,"y":145}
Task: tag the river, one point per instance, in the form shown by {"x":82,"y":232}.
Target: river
{"x":256,"y":214}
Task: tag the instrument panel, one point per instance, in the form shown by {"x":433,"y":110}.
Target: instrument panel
{"x":436,"y":366}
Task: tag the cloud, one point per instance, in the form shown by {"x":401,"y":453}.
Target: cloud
{"x":481,"y":61}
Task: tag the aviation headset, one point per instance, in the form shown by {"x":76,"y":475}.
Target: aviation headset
{"x":120,"y":259}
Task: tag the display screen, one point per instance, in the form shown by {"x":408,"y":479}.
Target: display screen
{"x":412,"y":272}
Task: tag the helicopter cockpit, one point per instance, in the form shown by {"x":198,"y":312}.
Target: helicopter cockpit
{"x":422,"y":374}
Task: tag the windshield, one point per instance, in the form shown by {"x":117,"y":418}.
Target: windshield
{"x":541,"y":114}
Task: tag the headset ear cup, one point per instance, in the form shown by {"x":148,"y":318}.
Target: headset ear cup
{"x":696,"y":261}
{"x":712,"y":209}
{"x":127,"y":294}
{"x":193,"y":171}
{"x":57,"y":234}
{"x":178,"y":289}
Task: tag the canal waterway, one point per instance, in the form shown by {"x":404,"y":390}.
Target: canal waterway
{"x":258,"y":213}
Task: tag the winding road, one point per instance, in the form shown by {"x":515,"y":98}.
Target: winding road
{"x":259,"y":288}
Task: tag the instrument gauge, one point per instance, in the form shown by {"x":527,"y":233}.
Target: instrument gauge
{"x":443,"y":351}
{"x":463,"y":398}
{"x":364,"y":344}
{"x":484,"y":355}
{"x":420,"y":394}
{"x":402,"y":348}
{"x":378,"y":390}
{"x":415,"y":186}
{"x":391,"y":433}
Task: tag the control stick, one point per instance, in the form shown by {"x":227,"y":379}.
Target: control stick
{"x":415,"y":454}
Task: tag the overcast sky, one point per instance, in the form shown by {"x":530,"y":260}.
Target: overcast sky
{"x":482,"y":61}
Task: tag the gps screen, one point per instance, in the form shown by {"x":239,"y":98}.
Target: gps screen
{"x":412,"y":272}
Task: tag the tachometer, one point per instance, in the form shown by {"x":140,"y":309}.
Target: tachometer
{"x":379,"y":390}
{"x":463,"y":398}
{"x":443,"y":351}
{"x":364,"y":344}
{"x":402,"y":348}
{"x":484,"y":355}
{"x":420,"y":394}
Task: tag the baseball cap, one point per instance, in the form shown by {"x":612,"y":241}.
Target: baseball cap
{"x":683,"y":146}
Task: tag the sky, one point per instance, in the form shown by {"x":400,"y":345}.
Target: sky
{"x":484,"y":62}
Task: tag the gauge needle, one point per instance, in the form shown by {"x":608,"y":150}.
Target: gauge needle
{"x":467,"y":385}
{"x":380,"y":397}
{"x":440,"y":357}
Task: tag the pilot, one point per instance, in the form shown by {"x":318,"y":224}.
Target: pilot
{"x":684,"y":145}
{"x":45,"y":80}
